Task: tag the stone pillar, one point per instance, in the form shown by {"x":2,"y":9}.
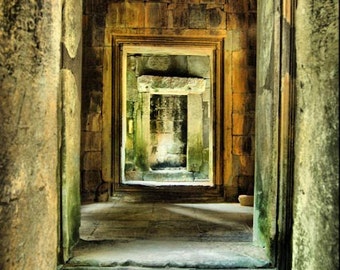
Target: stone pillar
{"x":316,"y":190}
{"x":143,"y":132}
{"x":267,"y":127}
{"x":70,"y":121}
{"x":195,"y":133}
{"x":29,"y":81}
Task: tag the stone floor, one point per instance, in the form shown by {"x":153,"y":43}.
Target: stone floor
{"x":167,"y":235}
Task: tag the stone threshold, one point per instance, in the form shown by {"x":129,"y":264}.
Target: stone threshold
{"x":169,"y":183}
{"x":68,"y":267}
{"x":167,"y":254}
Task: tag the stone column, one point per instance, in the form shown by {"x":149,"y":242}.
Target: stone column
{"x":30,"y":56}
{"x":316,"y":168}
{"x":70,"y":121}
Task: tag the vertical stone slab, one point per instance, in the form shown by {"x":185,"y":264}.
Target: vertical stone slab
{"x":156,"y":15}
{"x":70,"y":162}
{"x":143,"y":132}
{"x":316,"y":181}
{"x":70,"y":120}
{"x":267,"y":127}
{"x":197,"y":16}
{"x":195,"y":133}
{"x":29,"y":130}
{"x":107,"y":112}
{"x":135,"y":14}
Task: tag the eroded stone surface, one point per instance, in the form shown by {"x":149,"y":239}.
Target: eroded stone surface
{"x":170,"y":85}
{"x":316,"y":196}
{"x":72,"y":26}
{"x":29,"y":81}
{"x":167,"y":235}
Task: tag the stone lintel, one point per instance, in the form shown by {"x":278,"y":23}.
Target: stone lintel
{"x":170,"y":85}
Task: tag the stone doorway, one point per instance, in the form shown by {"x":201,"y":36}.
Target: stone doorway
{"x":167,"y":120}
{"x":166,"y":103}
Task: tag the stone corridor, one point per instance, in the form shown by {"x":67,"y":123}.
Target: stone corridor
{"x":166,"y":235}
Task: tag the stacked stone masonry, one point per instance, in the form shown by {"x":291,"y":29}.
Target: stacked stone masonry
{"x":235,"y":21}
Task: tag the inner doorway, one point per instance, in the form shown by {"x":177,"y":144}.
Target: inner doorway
{"x":167,"y":116}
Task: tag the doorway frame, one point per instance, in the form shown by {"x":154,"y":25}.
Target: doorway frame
{"x":112,"y":111}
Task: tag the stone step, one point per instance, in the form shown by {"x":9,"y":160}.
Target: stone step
{"x":168,"y":196}
{"x":164,"y":254}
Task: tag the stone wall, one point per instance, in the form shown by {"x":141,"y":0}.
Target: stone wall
{"x":29,"y":81}
{"x":235,"y":21}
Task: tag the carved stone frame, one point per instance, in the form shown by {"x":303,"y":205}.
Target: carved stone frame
{"x":112,"y":96}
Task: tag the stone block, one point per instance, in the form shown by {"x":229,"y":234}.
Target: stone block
{"x":243,"y":124}
{"x":246,"y":184}
{"x":72,"y":27}
{"x":239,"y":79}
{"x":243,"y":102}
{"x":98,"y":20}
{"x":236,"y":40}
{"x":216,"y":17}
{"x":90,"y":181}
{"x":135,"y":14}
{"x":232,"y":6}
{"x":95,"y":102}
{"x":197,"y":17}
{"x":235,"y":21}
{"x":227,"y":65}
{"x":231,"y":193}
{"x":243,"y":145}
{"x":243,"y":165}
{"x":199,"y":66}
{"x":156,"y":15}
{"x":116,"y":15}
{"x":96,"y":39}
{"x":94,"y":6}
{"x":91,"y":141}
{"x":92,"y":161}
{"x":93,"y":122}
{"x":239,"y":59}
{"x":178,"y":16}
{"x":170,"y":85}
{"x":194,"y":2}
{"x":92,"y":79}
{"x":93,"y":56}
